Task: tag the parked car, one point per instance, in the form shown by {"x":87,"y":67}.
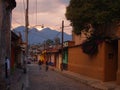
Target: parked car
{"x":51,"y":63}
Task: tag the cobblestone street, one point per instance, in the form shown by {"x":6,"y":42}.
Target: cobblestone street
{"x":52,"y":80}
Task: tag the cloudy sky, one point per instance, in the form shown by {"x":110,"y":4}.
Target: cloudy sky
{"x":50,"y":13}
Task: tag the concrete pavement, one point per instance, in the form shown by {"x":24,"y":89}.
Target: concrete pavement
{"x":40,"y":79}
{"x":89,"y":81}
{"x":19,"y":81}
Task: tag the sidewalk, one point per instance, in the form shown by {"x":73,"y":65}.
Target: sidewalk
{"x":18,"y":80}
{"x":89,"y":81}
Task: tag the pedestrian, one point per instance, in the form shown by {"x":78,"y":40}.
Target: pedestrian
{"x":7,"y":71}
{"x":61,"y":66}
{"x":40,"y":64}
{"x":47,"y":65}
{"x":7,"y":67}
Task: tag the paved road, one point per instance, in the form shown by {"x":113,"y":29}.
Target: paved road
{"x":52,"y":80}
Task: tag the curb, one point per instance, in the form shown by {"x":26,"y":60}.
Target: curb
{"x":97,"y":84}
{"x":18,"y":81}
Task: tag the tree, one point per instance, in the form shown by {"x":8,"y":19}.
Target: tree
{"x":102,"y":15}
{"x":49,"y":42}
{"x":10,"y":4}
{"x":57,"y":40}
{"x":99,"y":13}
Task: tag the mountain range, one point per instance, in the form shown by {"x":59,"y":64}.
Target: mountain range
{"x":36,"y":36}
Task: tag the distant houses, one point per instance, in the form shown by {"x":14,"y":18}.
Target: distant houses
{"x":104,"y":65}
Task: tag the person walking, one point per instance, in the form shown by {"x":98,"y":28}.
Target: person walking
{"x":61,"y":66}
{"x":7,"y":72}
{"x":40,"y":64}
{"x":47,"y":65}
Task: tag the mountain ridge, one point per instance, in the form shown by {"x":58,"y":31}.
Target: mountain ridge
{"x":36,"y":36}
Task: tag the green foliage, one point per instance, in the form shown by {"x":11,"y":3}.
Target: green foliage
{"x":10,"y":4}
{"x":96,"y":12}
{"x":90,"y":47}
{"x":57,"y":40}
{"x":49,"y":42}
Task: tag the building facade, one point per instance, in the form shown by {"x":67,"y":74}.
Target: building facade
{"x":118,"y":72}
{"x":104,"y":66}
{"x":6,"y":7}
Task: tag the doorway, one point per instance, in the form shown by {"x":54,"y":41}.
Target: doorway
{"x":111,"y":62}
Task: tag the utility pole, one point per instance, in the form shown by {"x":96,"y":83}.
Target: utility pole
{"x":62,"y":34}
{"x":62,"y":43}
{"x":26,"y":25}
{"x":26,"y":34}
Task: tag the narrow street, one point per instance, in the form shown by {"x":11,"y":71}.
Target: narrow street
{"x":51,"y":80}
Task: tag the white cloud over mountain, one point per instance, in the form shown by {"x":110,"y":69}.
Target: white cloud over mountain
{"x":49,"y":12}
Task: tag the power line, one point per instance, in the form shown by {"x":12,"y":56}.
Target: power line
{"x":22,"y":11}
{"x":36,"y":12}
{"x":24,"y":6}
{"x":16,"y":21}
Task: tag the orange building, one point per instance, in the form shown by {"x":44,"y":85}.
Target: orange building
{"x":104,"y":66}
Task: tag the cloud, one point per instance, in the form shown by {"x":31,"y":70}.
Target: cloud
{"x":49,"y":12}
{"x":52,"y":6}
{"x":41,"y":5}
{"x":64,"y":1}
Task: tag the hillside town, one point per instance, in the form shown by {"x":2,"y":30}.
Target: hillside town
{"x":82,"y":63}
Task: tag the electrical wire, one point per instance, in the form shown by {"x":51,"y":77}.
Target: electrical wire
{"x":24,"y":6}
{"x":36,"y":12}
{"x":16,"y":21}
{"x":22,"y":12}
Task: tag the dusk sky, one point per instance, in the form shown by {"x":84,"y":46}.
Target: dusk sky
{"x":50,"y":13}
